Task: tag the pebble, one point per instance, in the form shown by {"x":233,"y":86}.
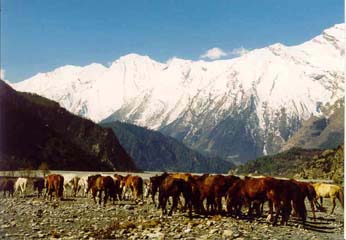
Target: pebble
{"x":213,"y":231}
{"x":227,"y":233}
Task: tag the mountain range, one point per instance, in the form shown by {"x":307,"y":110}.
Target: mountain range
{"x":238,"y":108}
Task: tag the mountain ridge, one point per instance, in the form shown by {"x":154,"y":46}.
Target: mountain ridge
{"x":267,"y":92}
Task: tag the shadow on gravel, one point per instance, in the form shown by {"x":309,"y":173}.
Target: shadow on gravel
{"x":123,"y":204}
{"x":317,"y":226}
{"x":68,"y":200}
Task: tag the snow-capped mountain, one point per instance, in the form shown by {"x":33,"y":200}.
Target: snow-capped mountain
{"x":254,"y":102}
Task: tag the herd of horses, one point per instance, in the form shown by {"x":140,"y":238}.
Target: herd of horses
{"x":202,"y":194}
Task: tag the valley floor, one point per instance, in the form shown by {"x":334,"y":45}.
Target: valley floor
{"x":79,"y":218}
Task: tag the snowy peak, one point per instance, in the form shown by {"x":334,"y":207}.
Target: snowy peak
{"x":153,"y":94}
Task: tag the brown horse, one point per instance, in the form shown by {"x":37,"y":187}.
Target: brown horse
{"x":119,"y":183}
{"x":205,"y":192}
{"x":7,"y":185}
{"x":154,"y":184}
{"x":282,"y":193}
{"x":100,"y":184}
{"x":220,"y":185}
{"x":331,"y":191}
{"x":246,"y":191}
{"x":279,"y":193}
{"x":135,"y":184}
{"x":173,"y":187}
{"x":38,"y":184}
{"x":309,"y":192}
{"x":55,"y":183}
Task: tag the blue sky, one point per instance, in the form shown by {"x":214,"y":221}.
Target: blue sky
{"x":38,"y":36}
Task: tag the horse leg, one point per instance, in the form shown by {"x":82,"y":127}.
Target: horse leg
{"x":332,"y":199}
{"x":100,"y":196}
{"x":153,"y":197}
{"x":162,"y":203}
{"x":250,"y":209}
{"x":94,"y":193}
{"x":57,"y":192}
{"x":50,"y":194}
{"x":135,"y":194}
{"x":270,"y":215}
{"x":340,"y":197}
{"x":219,"y":204}
{"x":174,"y":205}
{"x":105,"y":198}
{"x":277,"y":207}
{"x":321,"y":199}
{"x":313,"y":210}
{"x":190,"y":209}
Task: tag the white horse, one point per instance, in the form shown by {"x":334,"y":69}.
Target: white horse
{"x":21,"y":184}
{"x":68,"y":182}
{"x":83,"y":185}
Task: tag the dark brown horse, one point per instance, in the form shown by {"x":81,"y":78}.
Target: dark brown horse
{"x":38,"y":184}
{"x":55,"y":183}
{"x":7,"y":185}
{"x":173,"y":187}
{"x":284,"y":194}
{"x":308,"y":192}
{"x":220,"y":185}
{"x":154,"y":184}
{"x":100,"y":184}
{"x":206,"y":192}
{"x":248,"y":191}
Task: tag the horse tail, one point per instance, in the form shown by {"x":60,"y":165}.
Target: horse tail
{"x":340,"y":196}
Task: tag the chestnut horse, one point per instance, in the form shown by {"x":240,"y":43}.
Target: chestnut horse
{"x":55,"y":183}
{"x":135,"y":184}
{"x":98,"y":183}
{"x":278,"y":192}
{"x":309,"y":192}
{"x":220,"y":185}
{"x":173,"y":187}
{"x":331,"y":191}
{"x":245,"y":191}
{"x":119,"y":182}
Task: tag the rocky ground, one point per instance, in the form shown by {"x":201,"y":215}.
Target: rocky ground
{"x":79,"y":218}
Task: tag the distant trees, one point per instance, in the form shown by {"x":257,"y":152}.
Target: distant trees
{"x":44,"y":168}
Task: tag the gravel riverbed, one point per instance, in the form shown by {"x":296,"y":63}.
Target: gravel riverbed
{"x":79,"y":218}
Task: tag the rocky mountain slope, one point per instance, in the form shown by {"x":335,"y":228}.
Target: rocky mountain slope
{"x":36,"y":130}
{"x":324,"y":131}
{"x":153,"y":151}
{"x":239,"y":108}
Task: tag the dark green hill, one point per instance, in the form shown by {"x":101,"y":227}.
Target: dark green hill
{"x":285,"y":164}
{"x":299,"y":163}
{"x":36,"y":130}
{"x":153,"y":151}
{"x":327,"y":165}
